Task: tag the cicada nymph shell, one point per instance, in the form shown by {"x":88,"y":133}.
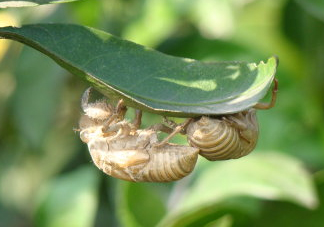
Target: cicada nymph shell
{"x":134,"y":158}
{"x":228,"y":137}
{"x":122,"y":151}
{"x":224,"y":137}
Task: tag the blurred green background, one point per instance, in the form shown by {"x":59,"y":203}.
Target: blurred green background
{"x":46,"y":174}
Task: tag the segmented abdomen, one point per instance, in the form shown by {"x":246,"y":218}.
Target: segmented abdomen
{"x":217,"y":139}
{"x":169,"y":163}
{"x":134,"y":158}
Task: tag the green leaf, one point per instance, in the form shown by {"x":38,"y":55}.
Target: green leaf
{"x":272,"y":176}
{"x":314,"y":7}
{"x":232,"y":212}
{"x":24,"y":3}
{"x":138,"y":204}
{"x":294,"y":215}
{"x":71,"y":200}
{"x":147,"y":79}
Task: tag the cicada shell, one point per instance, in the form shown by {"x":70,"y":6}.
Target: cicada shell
{"x":135,"y":157}
{"x":227,"y":137}
{"x":121,"y":150}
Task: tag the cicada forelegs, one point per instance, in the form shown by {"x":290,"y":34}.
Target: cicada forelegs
{"x":174,"y":125}
{"x":177,"y":129}
{"x":118,"y":115}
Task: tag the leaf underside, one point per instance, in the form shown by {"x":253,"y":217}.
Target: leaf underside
{"x":147,"y":79}
{"x":24,"y":3}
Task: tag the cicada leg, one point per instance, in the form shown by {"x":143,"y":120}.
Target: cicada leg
{"x":176,"y":130}
{"x":119,"y":115}
{"x":137,"y":120}
{"x":265,"y":106}
{"x":173,"y":124}
{"x":161,"y":128}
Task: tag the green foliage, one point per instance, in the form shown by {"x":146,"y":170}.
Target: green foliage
{"x":47,"y":179}
{"x":63,"y":200}
{"x":18,"y":3}
{"x":314,"y":7}
{"x":272,"y":176}
{"x":141,"y":76}
{"x":136,"y":202}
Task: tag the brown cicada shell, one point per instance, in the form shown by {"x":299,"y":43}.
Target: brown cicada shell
{"x":229,"y":137}
{"x":121,"y":150}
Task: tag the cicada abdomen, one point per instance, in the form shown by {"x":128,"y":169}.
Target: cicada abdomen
{"x":134,"y":158}
{"x":228,"y":137}
{"x":169,"y":162}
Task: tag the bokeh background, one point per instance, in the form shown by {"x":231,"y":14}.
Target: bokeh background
{"x":46,"y":174}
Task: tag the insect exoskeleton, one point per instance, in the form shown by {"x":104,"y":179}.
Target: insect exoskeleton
{"x":135,"y":158}
{"x":227,"y":137}
{"x":223,"y":137}
{"x":121,"y":150}
{"x":230,"y":136}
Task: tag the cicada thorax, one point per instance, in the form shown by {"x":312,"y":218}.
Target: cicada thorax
{"x":226,"y":137}
{"x":120,"y":157}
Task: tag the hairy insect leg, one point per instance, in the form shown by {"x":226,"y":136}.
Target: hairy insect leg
{"x":176,"y":130}
{"x":173,"y":124}
{"x":170,"y":122}
{"x":118,"y":114}
{"x":265,"y":106}
{"x":162,"y":128}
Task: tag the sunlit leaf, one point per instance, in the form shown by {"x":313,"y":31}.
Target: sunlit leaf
{"x":147,"y":79}
{"x":24,"y":3}
{"x":272,"y":176}
{"x":294,"y":215}
{"x":70,"y":200}
{"x":232,"y":212}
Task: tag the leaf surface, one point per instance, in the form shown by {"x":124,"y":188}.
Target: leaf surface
{"x":17,"y":3}
{"x":132,"y":195}
{"x":71,"y":200}
{"x":270,"y":176}
{"x":147,"y":79}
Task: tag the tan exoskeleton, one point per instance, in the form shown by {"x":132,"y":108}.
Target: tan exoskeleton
{"x":121,"y":150}
{"x":223,"y":137}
